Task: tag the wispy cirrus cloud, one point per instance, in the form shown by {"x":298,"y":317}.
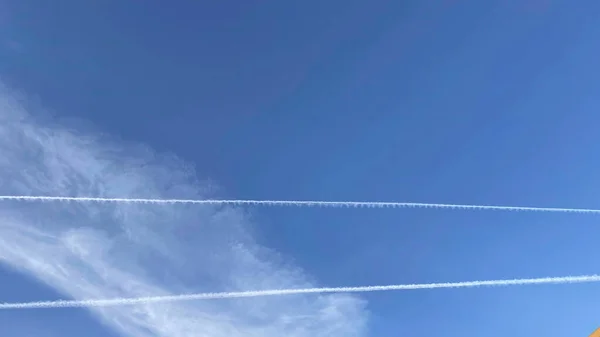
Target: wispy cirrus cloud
{"x":124,"y":250}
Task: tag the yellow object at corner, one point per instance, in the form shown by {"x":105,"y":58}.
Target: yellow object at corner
{"x":595,"y":333}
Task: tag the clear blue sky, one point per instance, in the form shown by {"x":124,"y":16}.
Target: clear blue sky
{"x":463,"y":101}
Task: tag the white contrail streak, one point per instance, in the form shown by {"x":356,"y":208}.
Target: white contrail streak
{"x":301,"y":203}
{"x":280,"y":292}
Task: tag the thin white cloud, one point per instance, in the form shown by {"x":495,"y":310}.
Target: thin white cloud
{"x":130,"y":250}
{"x":294,"y":291}
{"x":302,"y":203}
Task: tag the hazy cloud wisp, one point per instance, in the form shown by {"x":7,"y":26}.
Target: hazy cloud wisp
{"x":127,"y":250}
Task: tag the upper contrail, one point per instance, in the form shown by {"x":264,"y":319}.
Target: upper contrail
{"x":280,"y":292}
{"x":303,"y":203}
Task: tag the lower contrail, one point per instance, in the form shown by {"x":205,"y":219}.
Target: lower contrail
{"x":281,"y":292}
{"x":301,"y":203}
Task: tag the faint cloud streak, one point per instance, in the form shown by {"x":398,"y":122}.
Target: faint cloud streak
{"x":123,"y":250}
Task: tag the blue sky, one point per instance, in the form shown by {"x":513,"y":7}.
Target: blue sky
{"x":479,"y":102}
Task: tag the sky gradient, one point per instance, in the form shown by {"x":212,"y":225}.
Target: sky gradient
{"x":477,"y":102}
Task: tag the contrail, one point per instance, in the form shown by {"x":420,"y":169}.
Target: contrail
{"x":281,"y":292}
{"x":302,"y":203}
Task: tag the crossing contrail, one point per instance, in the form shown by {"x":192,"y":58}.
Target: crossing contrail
{"x":281,"y":292}
{"x":301,"y":203}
